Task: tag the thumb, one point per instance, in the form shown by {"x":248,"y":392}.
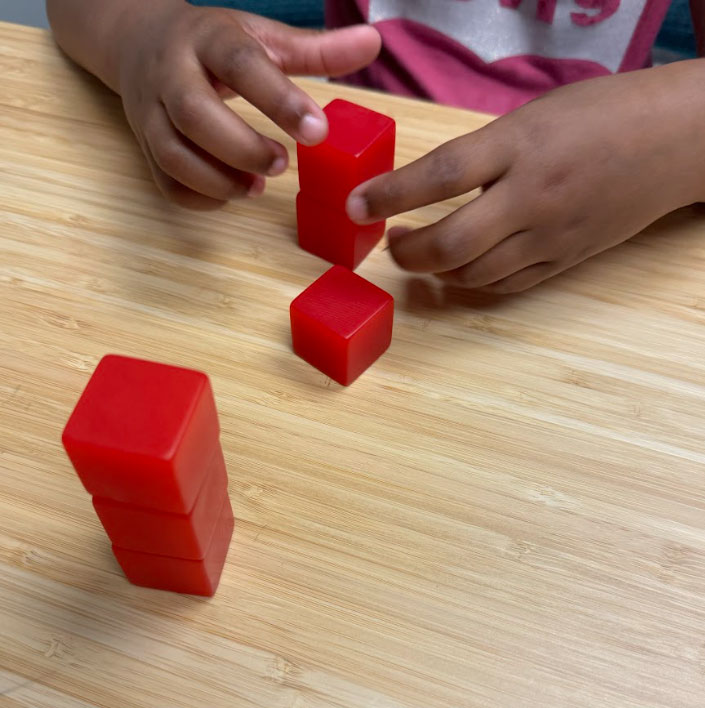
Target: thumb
{"x":316,"y":53}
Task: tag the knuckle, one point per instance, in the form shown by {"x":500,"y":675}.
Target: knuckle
{"x":186,"y":109}
{"x":447,"y":168}
{"x":255,"y":156}
{"x":169,"y":157}
{"x":556,"y":176}
{"x":548,"y":208}
{"x":230,"y":189}
{"x":209,"y":24}
{"x":288,"y":112}
{"x":467,"y":276}
{"x":220,"y":191}
{"x":203,"y":23}
{"x":447,"y":250}
{"x":385,"y":192}
{"x":400,"y":256}
{"x":239,"y":57}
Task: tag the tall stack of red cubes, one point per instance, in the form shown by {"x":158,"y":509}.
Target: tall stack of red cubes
{"x":144,"y":440}
{"x":342,"y":323}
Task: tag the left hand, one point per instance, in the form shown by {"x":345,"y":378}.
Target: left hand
{"x":566,"y":176}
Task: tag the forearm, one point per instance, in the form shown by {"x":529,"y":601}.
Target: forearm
{"x":92,"y":32}
{"x":681,"y":103}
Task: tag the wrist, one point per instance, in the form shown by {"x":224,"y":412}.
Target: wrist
{"x":118,"y":30}
{"x":99,"y":34}
{"x":685,"y":118}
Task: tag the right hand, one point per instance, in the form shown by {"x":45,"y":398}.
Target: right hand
{"x":176,"y":62}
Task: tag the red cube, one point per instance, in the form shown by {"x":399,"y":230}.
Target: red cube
{"x":359,"y":146}
{"x":142,"y":433}
{"x":188,"y":535}
{"x":341,"y":324}
{"x":329,"y":234}
{"x":195,"y":577}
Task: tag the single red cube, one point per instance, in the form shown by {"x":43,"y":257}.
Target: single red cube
{"x":193,"y":577}
{"x":329,"y":234}
{"x":359,"y":146}
{"x":137,"y":528}
{"x":143,"y":433}
{"x":341,"y":324}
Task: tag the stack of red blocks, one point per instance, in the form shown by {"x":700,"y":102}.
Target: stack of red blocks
{"x":359,"y":146}
{"x":342,"y":323}
{"x":144,"y":440}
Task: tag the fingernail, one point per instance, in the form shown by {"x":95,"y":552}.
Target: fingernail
{"x":312,"y":129}
{"x":396,"y":232}
{"x":256,"y":188}
{"x":357,"y":207}
{"x":278,"y":166}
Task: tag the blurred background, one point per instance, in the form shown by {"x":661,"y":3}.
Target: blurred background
{"x":26,"y":12}
{"x":675,"y":41}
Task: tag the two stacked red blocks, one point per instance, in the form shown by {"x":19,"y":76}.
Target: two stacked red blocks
{"x":144,"y":440}
{"x":359,"y":146}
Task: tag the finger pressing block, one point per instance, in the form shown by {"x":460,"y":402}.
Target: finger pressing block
{"x":359,"y":146}
{"x":329,"y":233}
{"x":341,"y":324}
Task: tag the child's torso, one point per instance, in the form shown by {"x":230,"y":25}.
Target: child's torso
{"x":495,"y":55}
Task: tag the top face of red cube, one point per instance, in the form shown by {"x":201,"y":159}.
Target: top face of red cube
{"x":341,"y":301}
{"x":140,"y":407}
{"x":353,"y":128}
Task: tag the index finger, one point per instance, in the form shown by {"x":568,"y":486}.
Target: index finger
{"x":454,"y":168}
{"x":197,"y":111}
{"x":241,"y":63}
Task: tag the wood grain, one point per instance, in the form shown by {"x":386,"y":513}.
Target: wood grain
{"x":507,"y":510}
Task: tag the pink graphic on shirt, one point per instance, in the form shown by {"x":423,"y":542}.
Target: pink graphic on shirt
{"x":545,"y":9}
{"x":606,"y":8}
{"x":495,"y":55}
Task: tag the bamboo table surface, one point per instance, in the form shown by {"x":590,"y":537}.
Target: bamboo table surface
{"x":506,"y":510}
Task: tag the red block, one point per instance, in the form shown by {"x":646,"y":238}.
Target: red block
{"x":194,"y":577}
{"x":183,"y":535}
{"x":141,"y":432}
{"x":341,"y":324}
{"x":329,"y":234}
{"x":359,"y":146}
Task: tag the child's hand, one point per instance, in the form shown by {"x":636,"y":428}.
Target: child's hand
{"x":175,"y":61}
{"x":567,"y":176}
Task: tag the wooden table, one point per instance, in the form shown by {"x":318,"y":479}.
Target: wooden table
{"x":507,"y":510}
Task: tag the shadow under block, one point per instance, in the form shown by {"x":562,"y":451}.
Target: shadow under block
{"x":341,"y":324}
{"x":142,"y":433}
{"x":359,"y":146}
{"x":193,"y":577}
{"x":329,"y":234}
{"x":164,"y":533}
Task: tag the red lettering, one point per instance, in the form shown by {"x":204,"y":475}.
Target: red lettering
{"x":545,"y":9}
{"x":606,"y":8}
